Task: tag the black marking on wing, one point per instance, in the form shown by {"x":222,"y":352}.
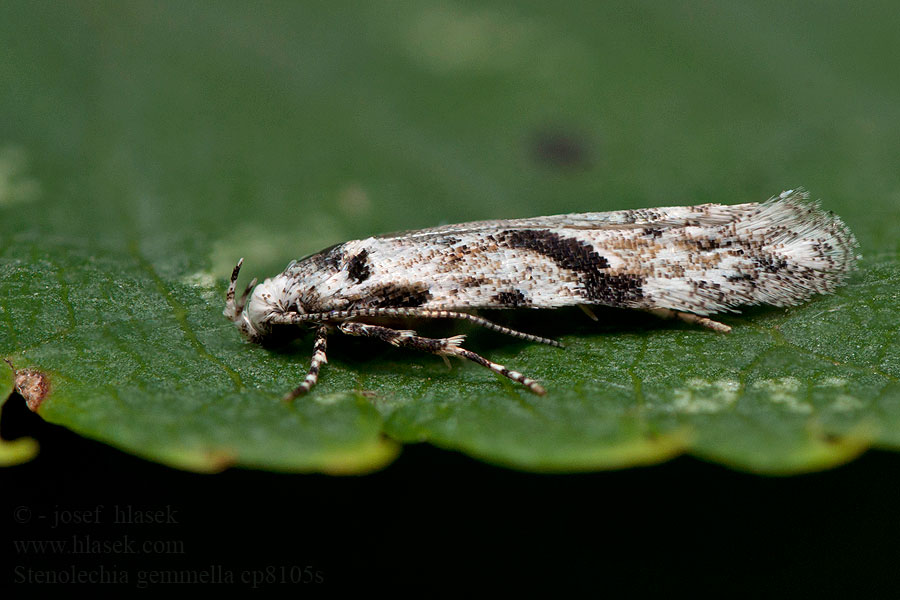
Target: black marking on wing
{"x":770,"y":264}
{"x":581,"y":258}
{"x":358,"y":267}
{"x":623,"y":289}
{"x":395,"y":295}
{"x":568,"y":253}
{"x":708,"y":244}
{"x":328,"y":259}
{"x":511,"y":298}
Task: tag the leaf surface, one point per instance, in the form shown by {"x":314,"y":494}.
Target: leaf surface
{"x":146,"y":147}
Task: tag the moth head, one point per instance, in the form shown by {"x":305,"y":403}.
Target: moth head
{"x":254,"y":312}
{"x":246,"y":317}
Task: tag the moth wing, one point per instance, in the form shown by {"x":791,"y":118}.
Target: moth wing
{"x":661,"y":218}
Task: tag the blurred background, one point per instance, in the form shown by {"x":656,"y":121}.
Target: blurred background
{"x":201,"y":132}
{"x":193,"y":126}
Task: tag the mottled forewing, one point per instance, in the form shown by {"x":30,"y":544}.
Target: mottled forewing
{"x":701,"y":259}
{"x":672,"y":216}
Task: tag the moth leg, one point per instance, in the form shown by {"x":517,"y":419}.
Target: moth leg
{"x":294,"y":318}
{"x":440,"y":346}
{"x":667,"y":313}
{"x":587,"y":310}
{"x":318,"y":358}
{"x":531,"y":384}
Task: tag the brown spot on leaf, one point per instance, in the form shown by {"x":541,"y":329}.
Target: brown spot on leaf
{"x":560,"y":150}
{"x":33,"y":385}
{"x":832,"y":438}
{"x":218,"y":460}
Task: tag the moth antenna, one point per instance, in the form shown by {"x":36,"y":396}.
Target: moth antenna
{"x":229,"y":296}
{"x":231,"y":311}
{"x":243,"y":303}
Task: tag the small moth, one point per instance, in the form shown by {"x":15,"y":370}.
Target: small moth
{"x":681,"y":262}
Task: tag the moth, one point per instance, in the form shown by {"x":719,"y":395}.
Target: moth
{"x":683,"y":262}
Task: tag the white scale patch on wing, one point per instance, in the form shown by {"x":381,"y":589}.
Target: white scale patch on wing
{"x":671,"y":216}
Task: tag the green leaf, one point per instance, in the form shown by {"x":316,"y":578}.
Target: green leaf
{"x":146,"y":147}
